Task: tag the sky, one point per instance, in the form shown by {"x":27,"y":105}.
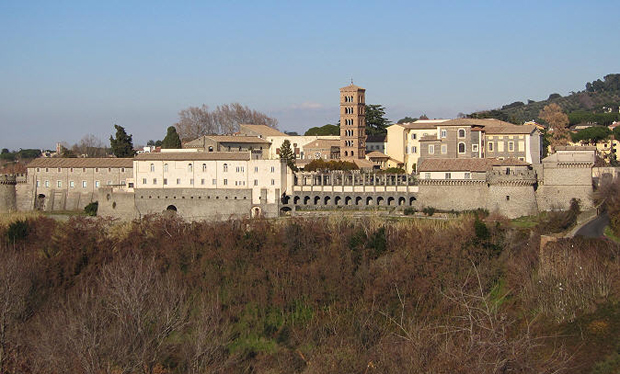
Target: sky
{"x":72,"y":68}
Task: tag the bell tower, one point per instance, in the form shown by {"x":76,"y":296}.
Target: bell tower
{"x":352,"y":122}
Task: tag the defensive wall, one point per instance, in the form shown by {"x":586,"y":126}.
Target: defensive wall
{"x":8,"y":196}
{"x":189,"y":203}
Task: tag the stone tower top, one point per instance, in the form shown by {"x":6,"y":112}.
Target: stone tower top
{"x":352,"y":122}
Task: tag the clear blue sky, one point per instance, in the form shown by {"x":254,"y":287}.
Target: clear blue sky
{"x":70,"y":68}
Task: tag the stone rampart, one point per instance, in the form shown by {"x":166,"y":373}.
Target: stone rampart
{"x":8,"y":199}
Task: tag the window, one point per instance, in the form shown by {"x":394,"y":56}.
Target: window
{"x":154,"y":180}
{"x":191,"y":181}
{"x":178,"y":181}
{"x":143,"y":180}
{"x":461,"y":133}
{"x":47,"y":184}
{"x":84,"y":184}
{"x":84,"y":170}
{"x":97,"y":184}
{"x":467,"y":176}
{"x":237,"y":169}
{"x":96,"y":170}
{"x":511,"y":146}
{"x":190,"y":168}
{"x":59,"y":184}
{"x":474,"y":147}
{"x":431,"y":149}
{"x":38,"y":183}
{"x":225,"y":168}
{"x":256,"y":182}
{"x":165,"y":181}
{"x":47,"y":170}
{"x":71,"y":170}
{"x":448,"y":175}
{"x":444,"y":133}
{"x":38,"y":170}
{"x":122,"y":170}
{"x":273,"y":169}
{"x":225,"y":182}
{"x":256,"y":169}
{"x":214,"y":182}
{"x":202,"y":182}
{"x":461,"y":147}
{"x":444,"y":149}
{"x":414,"y":136}
{"x":204,"y":167}
{"x":273,"y":182}
{"x":414,"y":149}
{"x":59,"y":170}
{"x":490,"y":144}
{"x":427,"y":175}
{"x":165,"y":167}
{"x":406,"y":149}
{"x":521,"y":158}
{"x":152,"y":167}
{"x":210,"y":149}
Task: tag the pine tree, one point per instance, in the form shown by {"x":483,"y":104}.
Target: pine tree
{"x":122,"y":145}
{"x":172,"y":140}
{"x":286,"y":153}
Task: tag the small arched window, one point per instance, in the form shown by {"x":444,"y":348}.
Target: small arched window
{"x":152,"y":167}
{"x":210,"y":149}
{"x":225,"y":167}
{"x":461,"y":147}
{"x":165,"y":167}
{"x":189,"y":167}
{"x":461,"y":133}
{"x":204,"y":167}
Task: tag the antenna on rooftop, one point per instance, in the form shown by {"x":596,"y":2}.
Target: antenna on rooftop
{"x":351,"y":81}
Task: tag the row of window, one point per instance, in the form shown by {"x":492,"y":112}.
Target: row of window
{"x":462,"y":148}
{"x":466,"y":175}
{"x":190,"y":167}
{"x":202,"y":182}
{"x":73,"y":169}
{"x":348,"y":132}
{"x":72,"y":184}
{"x":500,"y":146}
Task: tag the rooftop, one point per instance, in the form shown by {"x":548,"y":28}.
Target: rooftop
{"x":466,"y":164}
{"x":194,"y":156}
{"x":263,"y":130}
{"x":46,"y":162}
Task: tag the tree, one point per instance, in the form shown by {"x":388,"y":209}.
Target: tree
{"x":592,"y":134}
{"x":424,"y":117}
{"x":407,"y":119}
{"x":5,"y":150}
{"x":225,"y":119}
{"x":122,"y":144}
{"x":91,"y":146}
{"x":376,"y":123}
{"x":286,"y":153}
{"x":66,"y":153}
{"x":172,"y":140}
{"x":557,"y":120}
{"x":326,"y":130}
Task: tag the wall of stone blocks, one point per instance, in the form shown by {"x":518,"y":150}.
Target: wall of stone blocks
{"x":465,"y":196}
{"x":116,"y":204}
{"x":558,"y":197}
{"x":7,"y":198}
{"x":24,"y":197}
{"x":512,"y":201}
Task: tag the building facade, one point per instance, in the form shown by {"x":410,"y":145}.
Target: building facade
{"x":352,"y":122}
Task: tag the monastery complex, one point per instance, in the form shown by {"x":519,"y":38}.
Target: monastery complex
{"x":450,"y":164}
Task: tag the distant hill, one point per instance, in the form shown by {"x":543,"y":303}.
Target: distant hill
{"x":599,"y":103}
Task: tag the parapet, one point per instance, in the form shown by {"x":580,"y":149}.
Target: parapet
{"x":8,"y":179}
{"x":517,"y":177}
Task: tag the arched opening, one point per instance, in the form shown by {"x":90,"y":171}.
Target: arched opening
{"x":296,"y":200}
{"x":390,"y":201}
{"x":256,"y":212}
{"x":380,"y":200}
{"x":369,"y":200}
{"x":411,"y":200}
{"x":306,"y":200}
{"x":346,"y":153}
{"x":461,"y":147}
{"x":401,"y":201}
{"x":40,"y":202}
{"x":316,"y":200}
{"x":337,"y":200}
{"x":171,"y":208}
{"x":285,"y":211}
{"x":327,"y":200}
{"x":347,"y":200}
{"x":358,"y":200}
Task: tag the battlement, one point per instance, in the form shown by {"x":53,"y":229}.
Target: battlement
{"x":8,"y":179}
{"x":516,"y":177}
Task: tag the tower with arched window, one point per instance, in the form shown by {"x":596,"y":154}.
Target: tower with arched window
{"x":352,"y":122}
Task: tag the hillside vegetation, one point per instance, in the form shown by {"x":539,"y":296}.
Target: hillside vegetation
{"x":590,"y":105}
{"x":161,"y":295}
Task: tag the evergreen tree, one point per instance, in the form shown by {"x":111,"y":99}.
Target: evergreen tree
{"x":286,"y":153}
{"x":122,"y":145}
{"x":376,"y":123}
{"x":172,"y":140}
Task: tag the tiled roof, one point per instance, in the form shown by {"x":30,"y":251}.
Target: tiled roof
{"x":194,"y":156}
{"x":420,"y":126}
{"x":225,"y":139}
{"x":81,"y":163}
{"x":575,"y":148}
{"x":322,"y":143}
{"x":263,"y":130}
{"x":376,"y":154}
{"x":456,"y":164}
{"x":352,"y":87}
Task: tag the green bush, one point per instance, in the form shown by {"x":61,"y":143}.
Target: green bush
{"x":409,"y":211}
{"x":429,"y":210}
{"x":18,"y":230}
{"x":91,"y":209}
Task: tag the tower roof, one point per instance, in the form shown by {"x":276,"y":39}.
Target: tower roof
{"x":352,"y":88}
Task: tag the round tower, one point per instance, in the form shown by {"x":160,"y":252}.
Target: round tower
{"x":8,"y":196}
